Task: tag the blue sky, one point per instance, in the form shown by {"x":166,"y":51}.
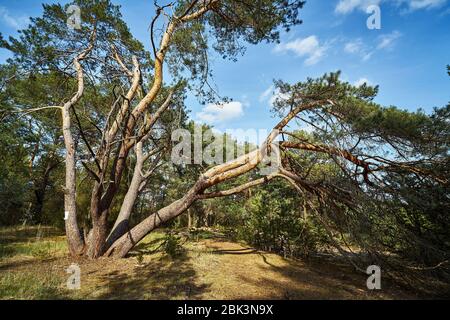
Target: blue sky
{"x":406,"y":57}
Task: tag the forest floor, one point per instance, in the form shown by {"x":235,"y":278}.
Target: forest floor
{"x":33,"y":264}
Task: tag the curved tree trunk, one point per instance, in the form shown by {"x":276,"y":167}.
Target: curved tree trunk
{"x":74,"y":238}
{"x":121,"y":225}
{"x":125,"y":243}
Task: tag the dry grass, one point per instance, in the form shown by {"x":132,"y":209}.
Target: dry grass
{"x":213,"y":268}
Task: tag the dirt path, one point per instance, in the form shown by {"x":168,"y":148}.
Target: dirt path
{"x":234,"y":271}
{"x":208,"y":269}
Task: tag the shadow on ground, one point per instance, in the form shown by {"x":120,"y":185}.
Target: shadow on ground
{"x":161,"y":278}
{"x":262,"y":275}
{"x":208,"y":267}
{"x":219,"y":269}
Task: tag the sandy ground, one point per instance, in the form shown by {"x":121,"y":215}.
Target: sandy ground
{"x":214,"y":268}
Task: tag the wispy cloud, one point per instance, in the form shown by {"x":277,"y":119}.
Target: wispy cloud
{"x":387,"y":41}
{"x":272,"y":95}
{"x":366,"y":51}
{"x":359,"y":48}
{"x":348,"y":6}
{"x":424,"y":4}
{"x":266,"y":94}
{"x":11,"y":21}
{"x":309,"y":48}
{"x":355,"y":46}
{"x":219,"y":113}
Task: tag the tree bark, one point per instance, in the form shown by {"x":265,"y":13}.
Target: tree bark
{"x":74,"y":239}
{"x":95,"y":244}
{"x":125,"y":243}
{"x":122,"y":222}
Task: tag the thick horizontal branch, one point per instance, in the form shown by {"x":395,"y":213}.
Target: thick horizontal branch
{"x":325,"y":149}
{"x":237,"y":189}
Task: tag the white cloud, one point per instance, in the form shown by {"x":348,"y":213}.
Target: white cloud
{"x":367,"y":56}
{"x":424,"y":4}
{"x":386,"y":41}
{"x":348,"y":6}
{"x":13,"y":22}
{"x":358,"y":47}
{"x":266,"y":94}
{"x":309,"y":47}
{"x":271,"y":95}
{"x":365,"y":52}
{"x":216,"y":113}
{"x":361,"y":81}
{"x":354,"y":46}
{"x":278,"y":96}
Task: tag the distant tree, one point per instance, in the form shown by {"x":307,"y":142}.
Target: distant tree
{"x":31,"y":143}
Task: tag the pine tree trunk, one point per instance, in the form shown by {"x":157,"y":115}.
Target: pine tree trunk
{"x":74,"y":239}
{"x":97,"y":238}
{"x":121,"y":225}
{"x":123,"y":245}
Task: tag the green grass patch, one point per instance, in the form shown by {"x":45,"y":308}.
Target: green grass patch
{"x":38,"y":249}
{"x":27,"y":233}
{"x":28,"y":285}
